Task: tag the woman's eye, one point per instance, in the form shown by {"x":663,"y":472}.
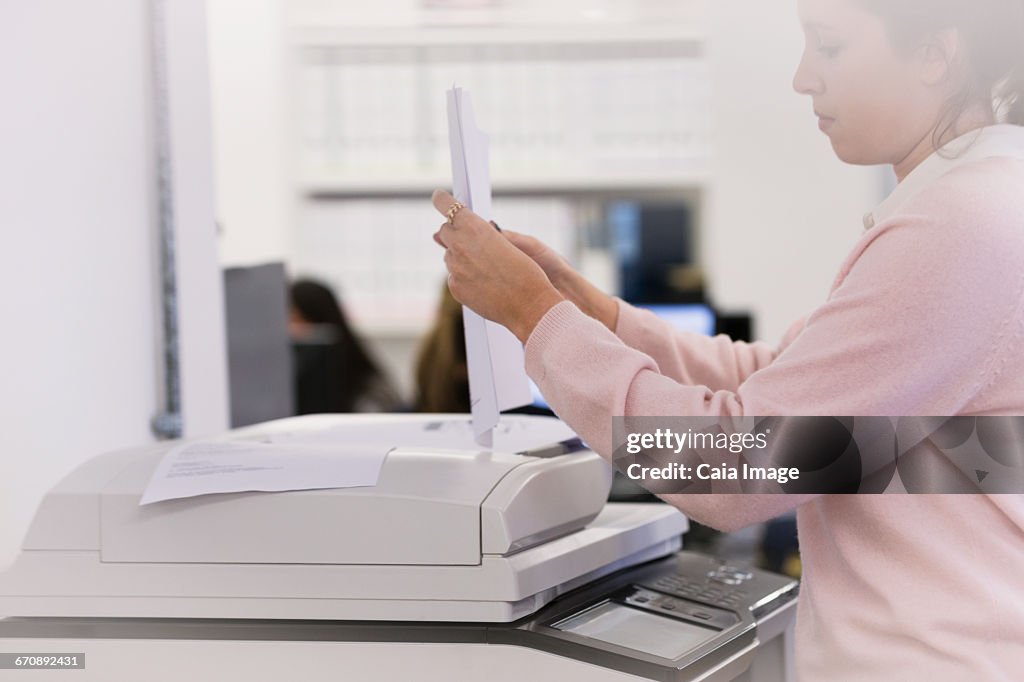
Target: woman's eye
{"x":829,"y":51}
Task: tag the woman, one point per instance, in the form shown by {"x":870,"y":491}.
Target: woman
{"x":926,"y":317}
{"x":342,"y":376}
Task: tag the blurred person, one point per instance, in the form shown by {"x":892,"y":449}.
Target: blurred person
{"x":442,"y":375}
{"x":925,"y":317}
{"x":334,"y":370}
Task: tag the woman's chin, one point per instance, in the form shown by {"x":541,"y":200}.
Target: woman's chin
{"x":850,"y":153}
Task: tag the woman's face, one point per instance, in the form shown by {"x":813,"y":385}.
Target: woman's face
{"x":877,"y":103}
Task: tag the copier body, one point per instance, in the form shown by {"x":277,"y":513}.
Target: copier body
{"x":461,"y":563}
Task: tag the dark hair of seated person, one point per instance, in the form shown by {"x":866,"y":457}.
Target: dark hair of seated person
{"x":358,"y":383}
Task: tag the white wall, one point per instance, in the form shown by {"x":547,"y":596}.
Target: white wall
{"x":783,"y":211}
{"x":78,"y":272}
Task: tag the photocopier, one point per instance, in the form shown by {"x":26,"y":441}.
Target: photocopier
{"x":459,"y":564}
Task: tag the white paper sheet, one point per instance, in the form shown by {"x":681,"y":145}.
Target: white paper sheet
{"x":510,"y":435}
{"x":494,"y":356}
{"x":209,"y":467}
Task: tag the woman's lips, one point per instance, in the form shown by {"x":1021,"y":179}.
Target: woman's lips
{"x":825,"y":123}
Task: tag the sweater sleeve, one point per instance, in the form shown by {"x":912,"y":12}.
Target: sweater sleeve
{"x":588,"y":375}
{"x":717,"y":362}
{"x":916,"y":324}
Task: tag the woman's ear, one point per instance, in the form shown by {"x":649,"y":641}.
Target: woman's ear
{"x":938,"y":55}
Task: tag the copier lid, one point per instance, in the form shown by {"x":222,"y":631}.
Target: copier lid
{"x":436,"y":507}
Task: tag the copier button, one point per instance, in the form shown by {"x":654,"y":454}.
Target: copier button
{"x":730,"y":575}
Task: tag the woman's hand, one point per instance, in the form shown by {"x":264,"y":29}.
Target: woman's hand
{"x":554,"y":266}
{"x":567,"y":280}
{"x":490,"y":275}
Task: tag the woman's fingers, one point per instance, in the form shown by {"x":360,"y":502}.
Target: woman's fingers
{"x":438,"y":236}
{"x":444,"y":202}
{"x":531,"y":246}
{"x":527,"y":245}
{"x":514,"y":237}
{"x":541,"y":253}
{"x":497,"y":279}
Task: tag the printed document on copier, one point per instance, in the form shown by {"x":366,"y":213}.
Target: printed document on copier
{"x":494,"y":356}
{"x":207,"y":467}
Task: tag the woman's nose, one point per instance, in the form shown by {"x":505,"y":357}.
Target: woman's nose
{"x":805,"y":81}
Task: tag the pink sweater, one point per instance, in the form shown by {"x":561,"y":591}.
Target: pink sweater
{"x":926,"y":317}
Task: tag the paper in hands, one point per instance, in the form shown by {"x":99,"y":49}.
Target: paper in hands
{"x":495,"y":359}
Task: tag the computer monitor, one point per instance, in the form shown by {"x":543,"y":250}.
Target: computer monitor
{"x":698,"y":318}
{"x":259,"y":359}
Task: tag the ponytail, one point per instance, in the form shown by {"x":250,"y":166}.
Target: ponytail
{"x":1010,"y":94}
{"x":1013,"y":97}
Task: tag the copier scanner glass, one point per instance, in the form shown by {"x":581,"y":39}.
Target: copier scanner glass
{"x":634,"y":629}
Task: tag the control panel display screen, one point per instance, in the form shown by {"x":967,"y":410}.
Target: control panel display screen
{"x":635,"y":629}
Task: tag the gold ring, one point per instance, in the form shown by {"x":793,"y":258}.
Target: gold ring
{"x":452,"y":210}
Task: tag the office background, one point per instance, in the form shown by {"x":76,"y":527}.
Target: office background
{"x":309,"y":133}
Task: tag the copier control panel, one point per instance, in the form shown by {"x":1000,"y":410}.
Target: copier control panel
{"x":666,"y":620}
{"x":683,"y":609}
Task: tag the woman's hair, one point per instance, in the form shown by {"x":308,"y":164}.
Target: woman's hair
{"x":358,"y":376}
{"x":442,"y":377}
{"x":992,"y":55}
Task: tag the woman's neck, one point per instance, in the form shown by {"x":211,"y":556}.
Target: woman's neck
{"x":971,"y":119}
